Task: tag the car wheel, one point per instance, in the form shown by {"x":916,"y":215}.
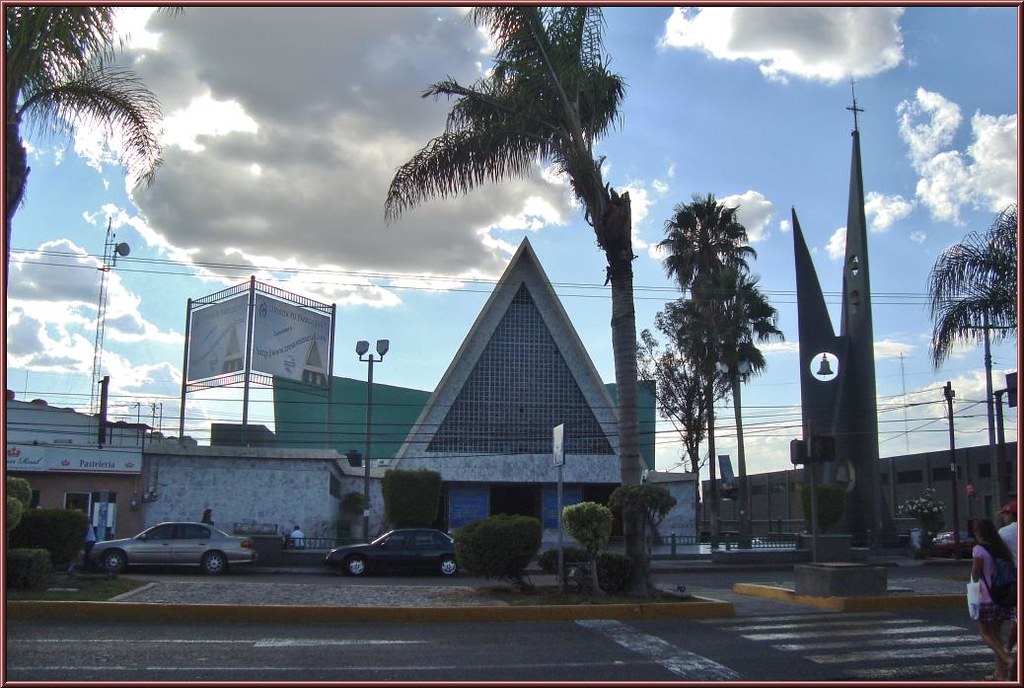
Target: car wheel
{"x":448,"y":566}
{"x":114,"y":561}
{"x":355,"y":566}
{"x":214,"y":563}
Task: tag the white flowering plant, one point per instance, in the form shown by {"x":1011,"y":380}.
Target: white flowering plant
{"x":928,"y":511}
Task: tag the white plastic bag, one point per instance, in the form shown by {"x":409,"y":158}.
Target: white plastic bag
{"x":973,"y":598}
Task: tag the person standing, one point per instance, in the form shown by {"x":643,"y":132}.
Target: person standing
{"x":298,"y":538}
{"x":991,"y":616}
{"x":1008,"y":515}
{"x":90,"y":542}
{"x":207,"y":516}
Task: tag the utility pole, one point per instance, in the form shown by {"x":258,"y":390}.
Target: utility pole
{"x":948,"y":393}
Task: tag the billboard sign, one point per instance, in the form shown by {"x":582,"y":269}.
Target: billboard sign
{"x":217,"y":342}
{"x":291,"y":342}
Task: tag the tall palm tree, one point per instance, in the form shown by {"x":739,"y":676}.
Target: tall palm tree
{"x":58,"y":76}
{"x":549,"y":97}
{"x":703,"y":239}
{"x":703,"y":236}
{"x":972,"y":290}
{"x":972,"y":287}
{"x":742,"y":318}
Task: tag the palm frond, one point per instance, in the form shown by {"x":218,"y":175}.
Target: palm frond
{"x":114,"y":98}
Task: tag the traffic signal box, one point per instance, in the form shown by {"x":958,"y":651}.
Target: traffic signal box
{"x":822,"y":448}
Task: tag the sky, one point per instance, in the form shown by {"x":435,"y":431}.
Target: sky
{"x":283,"y":127}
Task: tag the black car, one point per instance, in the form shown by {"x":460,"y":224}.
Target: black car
{"x":399,"y":551}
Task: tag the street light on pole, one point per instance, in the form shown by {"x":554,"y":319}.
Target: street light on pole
{"x":362,"y":347}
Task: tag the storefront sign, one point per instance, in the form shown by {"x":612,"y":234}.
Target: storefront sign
{"x":29,"y":457}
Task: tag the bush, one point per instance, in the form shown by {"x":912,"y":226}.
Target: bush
{"x":500,"y":546}
{"x":28,"y":568}
{"x":831,"y":505}
{"x":19,"y":499}
{"x":548,"y":560}
{"x":613,"y":571}
{"x":411,"y":498}
{"x":353,"y":503}
{"x":59,"y":531}
{"x":588,"y":523}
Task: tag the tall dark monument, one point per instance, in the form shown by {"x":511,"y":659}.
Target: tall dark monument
{"x":837,"y":373}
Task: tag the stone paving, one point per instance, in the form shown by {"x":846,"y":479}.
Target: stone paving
{"x":250,"y":593}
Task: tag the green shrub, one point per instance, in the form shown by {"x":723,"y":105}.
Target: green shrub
{"x":28,"y":568}
{"x":831,"y":505}
{"x":59,"y":531}
{"x":19,"y":500}
{"x":613,"y":571}
{"x":548,"y":560}
{"x":500,"y":546}
{"x":411,"y":498}
{"x":589,"y":523}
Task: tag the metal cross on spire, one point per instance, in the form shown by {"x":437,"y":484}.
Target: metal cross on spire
{"x":854,"y":107}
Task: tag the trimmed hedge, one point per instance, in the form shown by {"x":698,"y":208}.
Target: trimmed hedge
{"x":411,"y":498}
{"x":548,"y":560}
{"x":28,"y":568}
{"x":500,"y":546}
{"x":59,"y":531}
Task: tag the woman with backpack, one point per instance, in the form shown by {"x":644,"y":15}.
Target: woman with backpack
{"x":989,"y":550}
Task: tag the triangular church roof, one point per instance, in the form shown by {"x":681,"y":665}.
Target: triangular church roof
{"x":521,"y":370}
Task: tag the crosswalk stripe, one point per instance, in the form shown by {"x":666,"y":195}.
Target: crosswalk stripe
{"x":688,"y":665}
{"x":905,"y":672}
{"x":904,"y":653}
{"x":871,"y":632}
{"x":941,"y":640}
{"x":828,"y":625}
{"x":809,"y":618}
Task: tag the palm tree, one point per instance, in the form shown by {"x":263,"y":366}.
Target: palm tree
{"x":972,"y":290}
{"x":972,"y":287}
{"x":58,"y":77}
{"x":703,"y":236}
{"x":703,"y":239}
{"x":549,"y":97}
{"x":742,"y":318}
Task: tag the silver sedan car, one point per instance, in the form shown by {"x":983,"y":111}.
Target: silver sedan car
{"x":176,"y":543}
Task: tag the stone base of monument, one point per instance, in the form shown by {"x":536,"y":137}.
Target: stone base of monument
{"x":840,"y":579}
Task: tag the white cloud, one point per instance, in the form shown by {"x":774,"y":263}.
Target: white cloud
{"x":882,"y":211}
{"x":836,"y":247}
{"x":819,"y":43}
{"x":918,"y":237}
{"x":754,"y":212}
{"x":983,"y":177}
{"x":888,"y":348}
{"x":205,"y":117}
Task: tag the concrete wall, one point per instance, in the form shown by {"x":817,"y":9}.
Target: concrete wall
{"x":276,"y":487}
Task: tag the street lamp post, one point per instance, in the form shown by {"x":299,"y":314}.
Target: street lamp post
{"x":362,"y":347}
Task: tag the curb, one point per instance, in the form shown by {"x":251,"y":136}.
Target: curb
{"x":853,"y":604}
{"x":22,"y":610}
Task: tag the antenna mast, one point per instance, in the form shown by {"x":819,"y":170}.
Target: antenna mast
{"x":111,"y":251}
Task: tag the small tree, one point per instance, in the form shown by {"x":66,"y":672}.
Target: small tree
{"x":591,"y":525}
{"x":653,"y":502}
{"x":831,"y":504}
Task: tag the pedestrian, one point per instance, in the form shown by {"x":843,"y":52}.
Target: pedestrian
{"x":298,"y":538}
{"x":207,"y":516}
{"x":1008,"y":515}
{"x":90,"y":542}
{"x":991,"y":616}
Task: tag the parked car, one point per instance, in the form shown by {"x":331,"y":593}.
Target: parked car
{"x":176,"y":543}
{"x":400,"y":551}
{"x":944,"y":546}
